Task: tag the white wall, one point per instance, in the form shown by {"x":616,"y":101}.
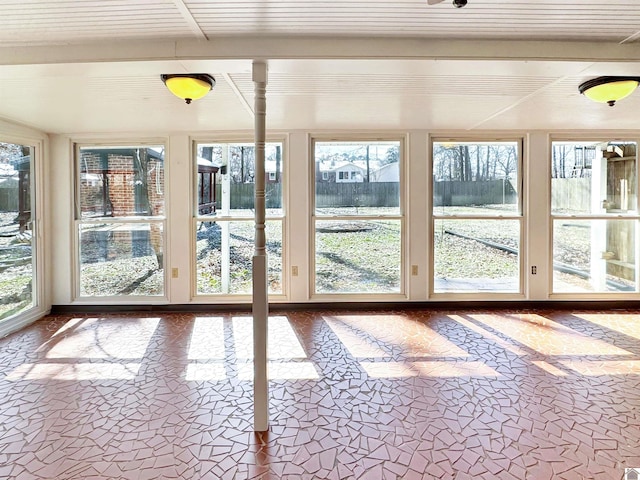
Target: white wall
{"x":298,"y":234}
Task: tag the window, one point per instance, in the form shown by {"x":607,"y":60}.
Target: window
{"x":477,"y":221}
{"x":17,"y":242}
{"x":120,"y":220}
{"x":325,"y":175}
{"x":595,"y":216}
{"x":358,"y":225}
{"x":225,"y":233}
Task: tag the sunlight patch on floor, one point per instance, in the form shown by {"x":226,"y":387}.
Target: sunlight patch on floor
{"x":103,"y":338}
{"x":211,"y":372}
{"x":546,"y":336}
{"x":207,"y":339}
{"x":283,"y":343}
{"x":357,"y":346}
{"x":75,"y":371}
{"x":394,"y":332}
{"x":625,"y":324}
{"x":491,"y":336}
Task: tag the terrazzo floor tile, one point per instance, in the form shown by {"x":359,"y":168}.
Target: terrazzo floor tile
{"x":394,"y":394}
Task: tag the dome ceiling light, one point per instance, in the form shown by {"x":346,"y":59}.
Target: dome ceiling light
{"x":609,"y":89}
{"x":189,"y":86}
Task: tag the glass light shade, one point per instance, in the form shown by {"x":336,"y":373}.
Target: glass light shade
{"x":189,"y":87}
{"x":608,"y":90}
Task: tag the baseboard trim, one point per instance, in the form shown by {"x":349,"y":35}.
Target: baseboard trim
{"x":276,"y":307}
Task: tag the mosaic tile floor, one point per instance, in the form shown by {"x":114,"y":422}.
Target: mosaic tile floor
{"x":355,"y":395}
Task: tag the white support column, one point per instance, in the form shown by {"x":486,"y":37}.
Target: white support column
{"x":260,"y":292}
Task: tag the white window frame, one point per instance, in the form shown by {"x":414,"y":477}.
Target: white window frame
{"x":38,"y":308}
{"x":595,"y":137}
{"x":196,"y":217}
{"x":78,"y":221}
{"x":402,"y":140}
{"x":520,"y":216}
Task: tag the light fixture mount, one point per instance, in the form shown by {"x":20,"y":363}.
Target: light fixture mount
{"x":456,"y":3}
{"x":189,"y":86}
{"x":609,"y":89}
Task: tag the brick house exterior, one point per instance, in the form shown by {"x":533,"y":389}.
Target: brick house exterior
{"x":123,"y":182}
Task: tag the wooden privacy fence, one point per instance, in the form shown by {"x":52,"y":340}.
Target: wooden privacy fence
{"x":490,"y":192}
{"x":572,"y":194}
{"x":568,"y":192}
{"x":374,"y":194}
{"x":242,"y":195}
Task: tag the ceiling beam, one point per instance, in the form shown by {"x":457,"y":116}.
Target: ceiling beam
{"x":288,"y":47}
{"x":190,"y":19}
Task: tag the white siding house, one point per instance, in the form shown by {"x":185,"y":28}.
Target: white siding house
{"x":349,"y":173}
{"x":387,"y":173}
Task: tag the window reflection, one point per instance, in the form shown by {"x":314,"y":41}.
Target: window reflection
{"x":16,"y":230}
{"x":591,"y":181}
{"x":116,"y":187}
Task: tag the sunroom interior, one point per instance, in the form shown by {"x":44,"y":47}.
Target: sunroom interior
{"x":414,"y":153}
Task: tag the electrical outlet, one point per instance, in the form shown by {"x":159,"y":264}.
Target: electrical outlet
{"x":534,"y":270}
{"x":174,"y":273}
{"x":414,"y":270}
{"x":294,"y":271}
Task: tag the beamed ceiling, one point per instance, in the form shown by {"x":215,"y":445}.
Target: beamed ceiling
{"x":83,"y":66}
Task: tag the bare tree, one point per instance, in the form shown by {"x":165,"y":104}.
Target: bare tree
{"x":560,"y":157}
{"x":368,"y":166}
{"x":278,"y":160}
{"x":507,"y":159}
{"x":242,"y":164}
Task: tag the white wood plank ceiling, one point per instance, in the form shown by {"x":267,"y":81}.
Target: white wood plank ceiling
{"x":37,"y":21}
{"x":85,"y":66}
